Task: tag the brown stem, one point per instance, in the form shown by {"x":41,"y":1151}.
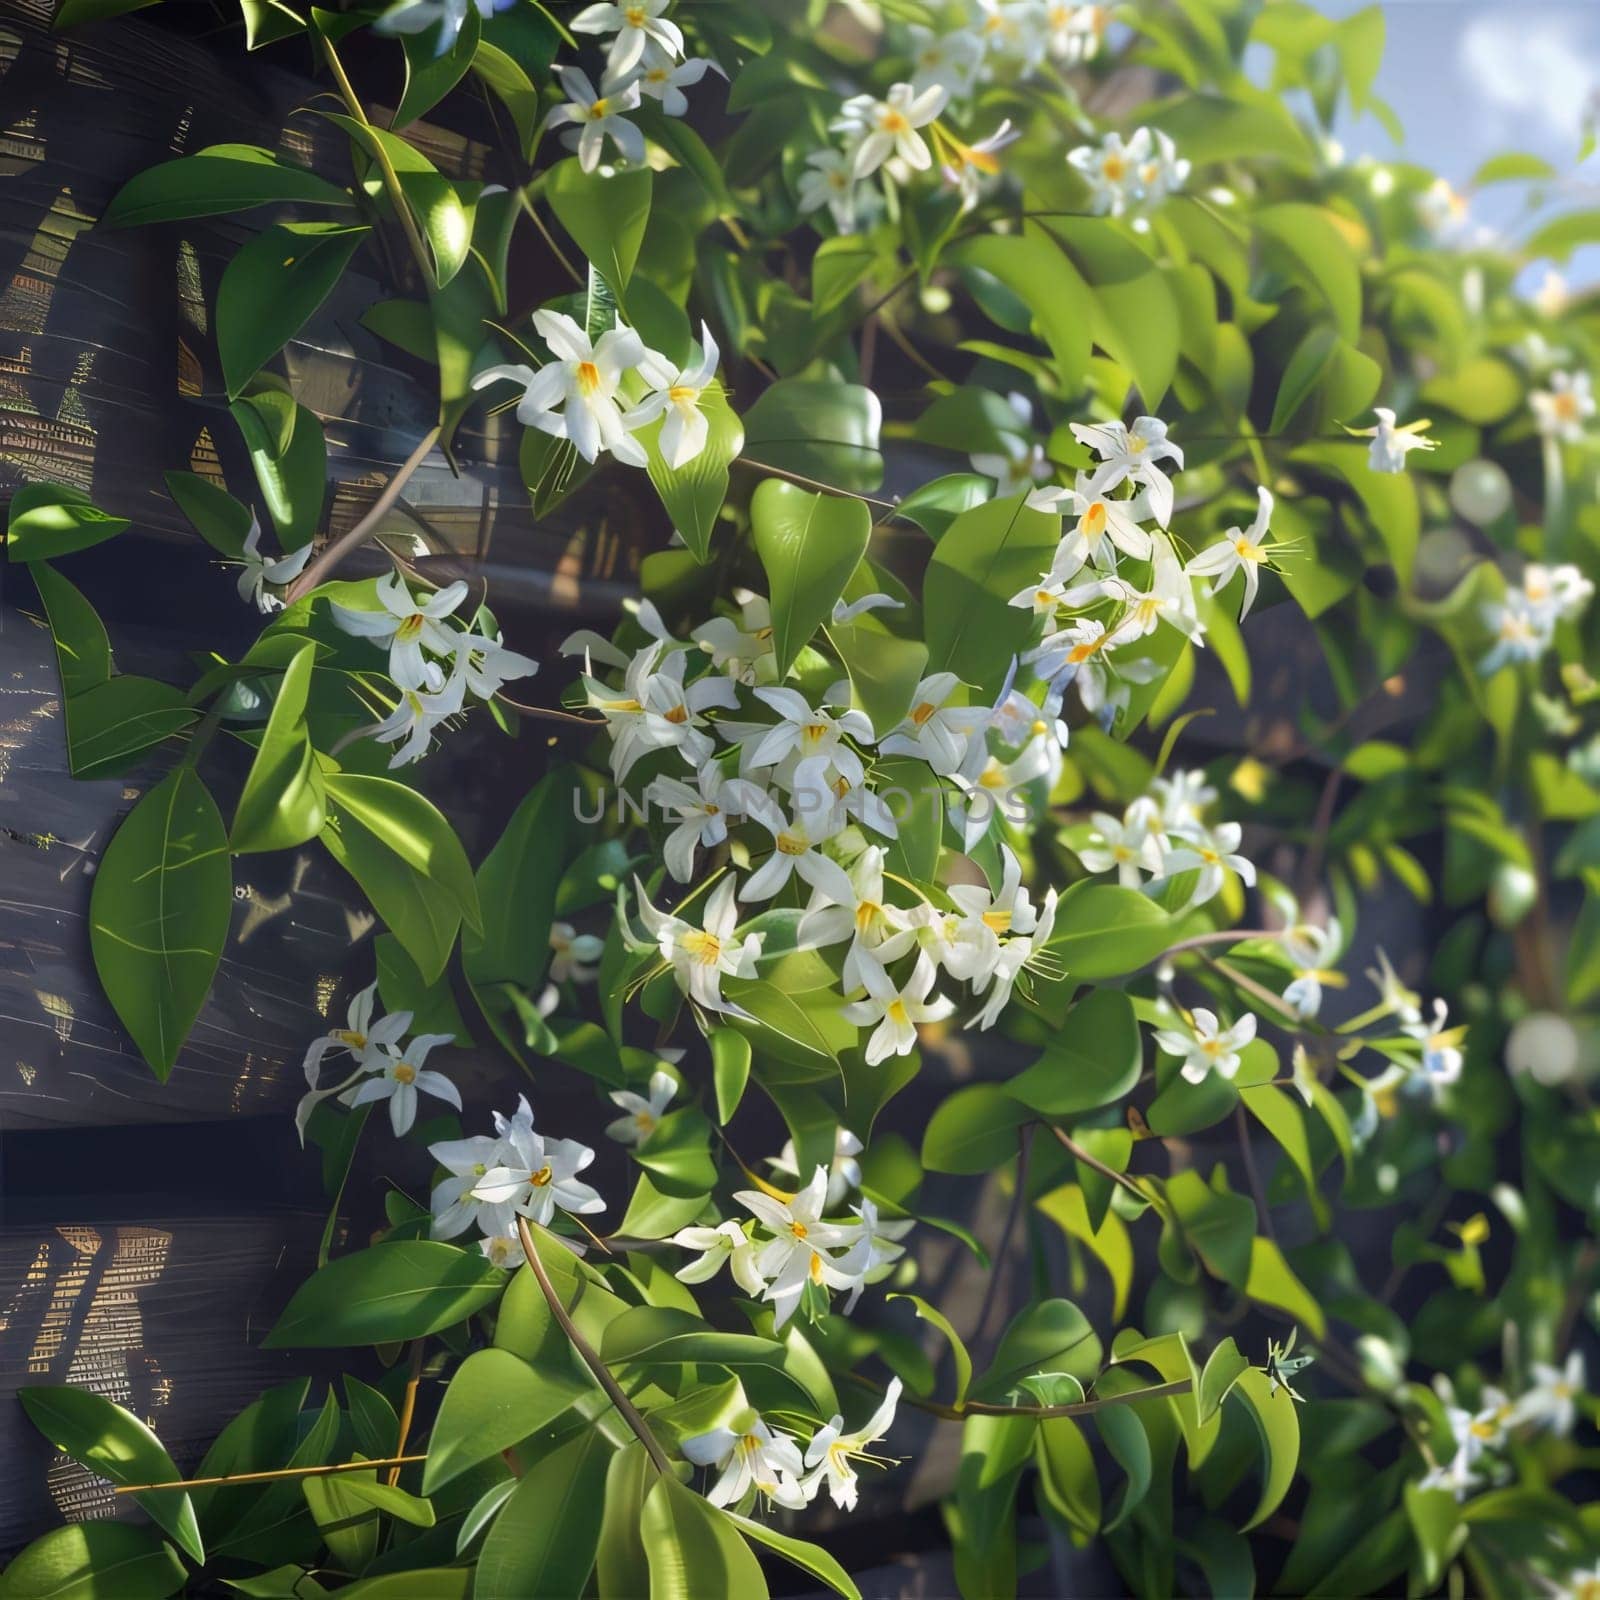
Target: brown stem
{"x":1219,"y":936}
{"x":1070,"y":1144}
{"x":812,"y":483}
{"x":613,"y":1389}
{"x":408,"y":1407}
{"x":1078,"y":1408}
{"x":396,"y":1462}
{"x":339,"y":548}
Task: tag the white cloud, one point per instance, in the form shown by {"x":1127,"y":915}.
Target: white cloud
{"x":1532,"y":77}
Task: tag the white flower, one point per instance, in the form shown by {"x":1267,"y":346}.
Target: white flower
{"x":1457,"y":1476}
{"x":893,"y":1011}
{"x":1443,"y":211}
{"x":1183,"y":798}
{"x":676,"y":391}
{"x":454,"y":1206}
{"x":1304,"y":1075}
{"x":795,"y":849}
{"x":582,"y":381}
{"x":417,"y":16}
{"x":487,"y":665}
{"x":657,"y":710}
{"x":1014,"y":956}
{"x":1520,"y":633}
{"x":829,"y":180}
{"x":1584,"y":1585}
{"x":360,"y":1035}
{"x":1551,"y":1400}
{"x":844,"y":1171}
{"x":888,"y":127}
{"x":975,"y":166}
{"x":742,"y":649}
{"x":936,"y":732}
{"x":1129,"y":848}
{"x":536,"y":1175}
{"x":812,"y":734}
{"x":704,"y":811}
{"x":259,"y":570}
{"x":1075,"y":30}
{"x":1556,"y":594}
{"x":1391,"y":445}
{"x":597,"y":117}
{"x":847,"y":611}
{"x":399,"y":1077}
{"x":877,"y":932}
{"x":1112,"y":170}
{"x":1101,"y":523}
{"x":1441,"y":1046}
{"x":948,"y":61}
{"x":1012,"y":29}
{"x":874,"y":1247}
{"x":797,"y":1253}
{"x":1020,"y":462}
{"x":659,"y":79}
{"x":1169,"y":599}
{"x":1161,"y":172}
{"x":1563,"y":408}
{"x":1237,"y":551}
{"x":1313,"y":951}
{"x":1206,"y":1046}
{"x":643,"y":1111}
{"x":702,"y":956}
{"x":406,"y":626}
{"x":1133,"y":454}
{"x":637,"y":24}
{"x":1006,"y":913}
{"x":1210,"y":853}
{"x":832,"y":1450}
{"x":754,"y":1455}
{"x":419,"y":711}
{"x":573,"y":955}
{"x":726,"y":1242}
{"x":1075,"y":654}
{"x":502,"y":1250}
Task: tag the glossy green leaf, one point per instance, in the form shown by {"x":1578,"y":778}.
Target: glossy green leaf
{"x":271,"y":288}
{"x":1092,"y":1061}
{"x":958,"y":1349}
{"x":606,"y":215}
{"x":283,"y":802}
{"x":730,"y":1069}
{"x":117,"y":1445}
{"x":818,"y":429}
{"x":659,"y":1335}
{"x":695,"y":1550}
{"x":1305,"y":243}
{"x":47,"y":520}
{"x":809,"y":544}
{"x":974,"y":1130}
{"x":220,"y":178}
{"x":1123,"y":1433}
{"x":159,"y":913}
{"x":544,"y":1540}
{"x":493,"y":1401}
{"x":1047,"y":1336}
{"x":113,"y":725}
{"x":397,"y":1290}
{"x":811,"y":1558}
{"x":1038,"y":272}
{"x":1105,"y":931}
{"x":292,"y":473}
{"x":83,"y":650}
{"x":1277,"y":1423}
{"x":1271,"y":1280}
{"x":693,"y":494}
{"x":883,"y":668}
{"x":1067,"y":1477}
{"x":100,"y":1560}
{"x":430,"y":74}
{"x":219,"y":519}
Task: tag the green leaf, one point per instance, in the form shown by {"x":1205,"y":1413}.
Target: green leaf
{"x":884,"y":669}
{"x":1558,"y":238}
{"x":958,"y":1350}
{"x":399,"y":848}
{"x":1481,"y":390}
{"x":430,"y":75}
{"x":1105,"y":931}
{"x":1305,"y":243}
{"x":693,"y":493}
{"x":111,"y":726}
{"x":606,"y":216}
{"x":283,"y":803}
{"x":1040,"y":275}
{"x":1091,"y":1062}
{"x":1343,"y":379}
{"x":1271,"y":1281}
{"x":219,"y":519}
{"x":292,"y":471}
{"x":985,"y":556}
{"x":512,"y":87}
{"x":402,"y":988}
{"x":398,"y":1290}
{"x":819,"y":429}
{"x":973,"y":1131}
{"x":159,"y":913}
{"x":730,"y":1070}
{"x":100,"y":1560}
{"x":936,"y":505}
{"x":423,"y":1583}
{"x":695,"y":1551}
{"x":808,"y":1557}
{"x":662,"y":1336}
{"x":1436,"y":1521}
{"x":1106,"y":1236}
{"x":494,"y":1400}
{"x":118,"y":1446}
{"x":49,"y":519}
{"x":1123,"y":1432}
{"x":809,"y":544}
{"x":83,"y":651}
{"x":1219,"y":1227}
{"x":431,"y":197}
{"x":1049,"y":1336}
{"x":1067,"y":1476}
{"x":272,"y":287}
{"x":1278,"y":1427}
{"x":544,"y":1540}
{"x":220,"y":178}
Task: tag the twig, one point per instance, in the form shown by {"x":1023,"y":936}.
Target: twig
{"x":812,"y":483}
{"x":336,"y":551}
{"x":613,"y":1389}
{"x":396,"y":1462}
{"x":408,"y":1407}
{"x":1219,"y":936}
{"x":1024,"y":1143}
{"x":549,"y":713}
{"x":1070,"y":1144}
{"x":1077,"y":1408}
{"x":1253,"y":1173}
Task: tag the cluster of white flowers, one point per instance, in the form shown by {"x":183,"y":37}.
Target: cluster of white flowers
{"x":1562,"y":410}
{"x":757,"y":1456}
{"x":434,"y":661}
{"x":1550,"y":1401}
{"x":385,"y":1066}
{"x":1524,"y":623}
{"x":644,"y":60}
{"x":493,"y":1180}
{"x":1132,"y":177}
{"x":582,"y":393}
{"x":792,"y":1244}
{"x":1005,"y":38}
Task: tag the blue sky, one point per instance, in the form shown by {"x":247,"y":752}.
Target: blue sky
{"x":1471,"y":78}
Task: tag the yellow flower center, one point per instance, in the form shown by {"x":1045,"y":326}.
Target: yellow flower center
{"x":1565,"y":406}
{"x":350,"y":1039}
{"x":815,"y":1269}
{"x":404,"y":1072}
{"x":598,"y":109}
{"x":683,"y":394}
{"x":1482,"y":1429}
{"x":993,"y":776}
{"x":1093,"y":524}
{"x":1248,"y":552}
{"x":644,"y":1121}
{"x":798,"y":1229}
{"x":588,"y":372}
{"x":541,"y":1178}
{"x":999,"y":919}
{"x":921,"y":713}
{"x":701,"y":945}
{"x":867,"y":913}
{"x":409,"y":627}
{"x":678,"y":715}
{"x":813,"y":733}
{"x":1039,"y":726}
{"x":896,"y":1012}
{"x":1211,"y":1047}
{"x":635,"y":16}
{"x":1114,"y":169}
{"x":892,"y":121}
{"x":792,"y":844}
{"x":1080,"y":653}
